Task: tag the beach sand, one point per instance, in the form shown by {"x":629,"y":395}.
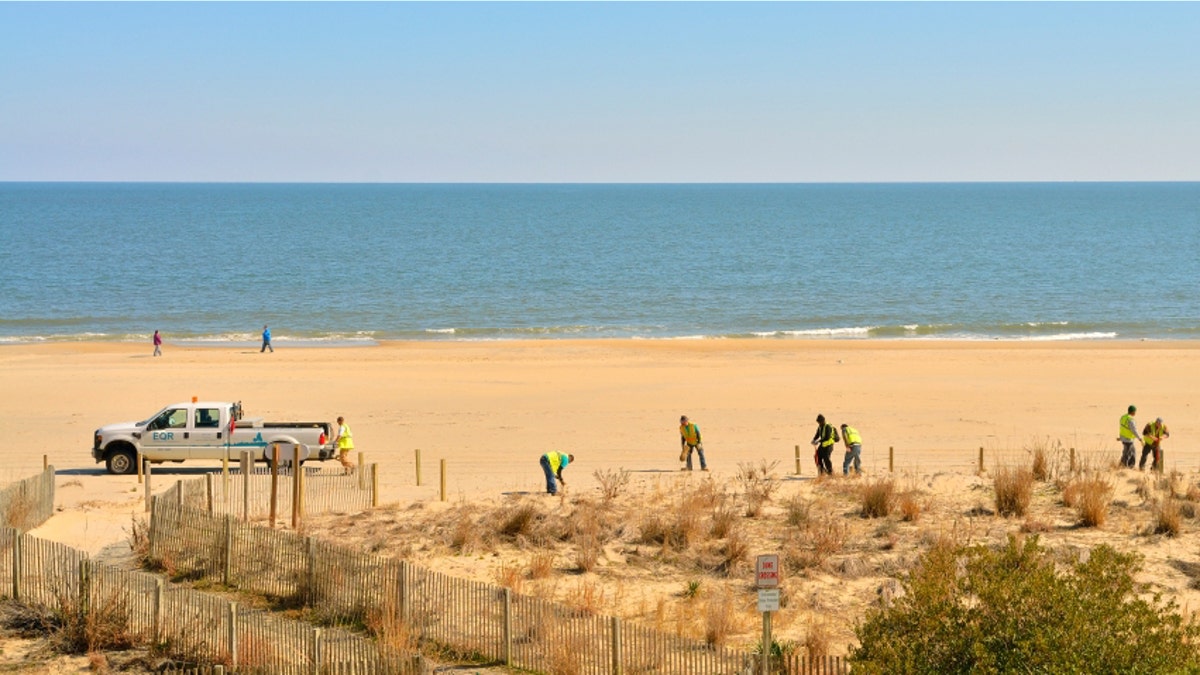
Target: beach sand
{"x":490,"y":409}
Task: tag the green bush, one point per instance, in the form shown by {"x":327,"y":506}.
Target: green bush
{"x":980,"y":610}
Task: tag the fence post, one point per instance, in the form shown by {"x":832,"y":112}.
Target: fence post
{"x":152,"y":532}
{"x":246,"y":465}
{"x":317,"y":656}
{"x":179,"y":493}
{"x":891,"y":459}
{"x":443,"y":490}
{"x":362,"y":480}
{"x":17,"y":572}
{"x":233,"y":645}
{"x":374,"y":485}
{"x":208,"y":489}
{"x":404,"y":591}
{"x":1072,"y":460}
{"x":310,"y":592}
{"x":139,"y":465}
{"x":616,"y":622}
{"x":274,"y":483}
{"x":45,"y":462}
{"x":227,"y":559}
{"x":148,"y":472}
{"x":85,"y":588}
{"x":418,"y":466}
{"x":296,"y":474}
{"x":797,"y":460}
{"x":156,"y":627}
{"x":508,"y":627}
{"x":981,"y":460}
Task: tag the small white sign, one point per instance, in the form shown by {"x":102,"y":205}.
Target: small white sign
{"x":768,"y":599}
{"x":766,"y":571}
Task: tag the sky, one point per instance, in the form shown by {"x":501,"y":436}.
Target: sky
{"x":599,"y":92}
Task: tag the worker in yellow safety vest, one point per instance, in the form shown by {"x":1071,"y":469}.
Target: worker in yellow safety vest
{"x":1152,"y":437}
{"x":1128,"y":434}
{"x":853,"y":442}
{"x":344,"y":442}
{"x":553,"y":463}
{"x":689,"y":440}
{"x":823,"y":441}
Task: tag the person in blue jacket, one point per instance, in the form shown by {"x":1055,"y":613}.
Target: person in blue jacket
{"x":266,"y":341}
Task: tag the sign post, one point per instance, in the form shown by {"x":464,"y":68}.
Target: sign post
{"x":766,"y":578}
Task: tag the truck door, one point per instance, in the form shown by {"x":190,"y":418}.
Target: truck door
{"x":166,"y":435}
{"x":207,"y":440}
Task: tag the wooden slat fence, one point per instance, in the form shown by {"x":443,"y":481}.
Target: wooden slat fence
{"x":183,"y":623}
{"x":28,"y":503}
{"x":796,"y":664}
{"x":246,"y":494}
{"x":472,"y":619}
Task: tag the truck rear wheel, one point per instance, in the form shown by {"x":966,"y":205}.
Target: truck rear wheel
{"x":121,"y":462}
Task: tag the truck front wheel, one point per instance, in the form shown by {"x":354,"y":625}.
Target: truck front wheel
{"x":121,"y":462}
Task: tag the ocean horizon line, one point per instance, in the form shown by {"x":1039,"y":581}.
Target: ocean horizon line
{"x":1165,"y":181}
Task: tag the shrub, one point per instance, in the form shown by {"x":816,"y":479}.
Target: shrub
{"x":719,"y":618}
{"x":824,"y":538}
{"x":509,"y":576}
{"x":817,"y":640}
{"x":1011,"y":610}
{"x":587,"y":555}
{"x":1041,"y":464}
{"x":541,"y":564}
{"x":612,"y":482}
{"x":724,"y":520}
{"x":1092,"y":507}
{"x":758,"y":484}
{"x":910,"y":508}
{"x":1193,"y":493}
{"x":1167,"y":518}
{"x":1014,"y":490}
{"x":798,"y":511}
{"x":735,"y":551}
{"x":517,"y":521}
{"x":587,"y":597}
{"x":877,"y":498}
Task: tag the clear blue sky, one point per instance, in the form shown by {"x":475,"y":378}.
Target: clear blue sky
{"x":608,"y":92}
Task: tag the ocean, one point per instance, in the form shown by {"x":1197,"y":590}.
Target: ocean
{"x":356,"y":264}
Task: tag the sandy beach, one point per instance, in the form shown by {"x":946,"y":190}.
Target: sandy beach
{"x":490,"y":409}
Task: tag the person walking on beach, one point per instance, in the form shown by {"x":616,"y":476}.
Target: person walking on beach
{"x":1128,"y":434}
{"x":157,"y":344}
{"x":553,"y":463}
{"x":344,"y":442}
{"x":689,"y":440}
{"x":1152,"y":437}
{"x":266,"y":340}
{"x":853,"y":443}
{"x":823,"y":441}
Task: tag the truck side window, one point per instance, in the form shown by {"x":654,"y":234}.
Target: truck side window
{"x":177,"y":418}
{"x":208,"y":418}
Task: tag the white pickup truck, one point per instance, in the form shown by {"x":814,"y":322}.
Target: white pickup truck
{"x":205,"y":430}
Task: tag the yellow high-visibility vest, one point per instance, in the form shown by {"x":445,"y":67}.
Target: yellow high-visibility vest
{"x":1127,"y":427}
{"x":852,"y":436}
